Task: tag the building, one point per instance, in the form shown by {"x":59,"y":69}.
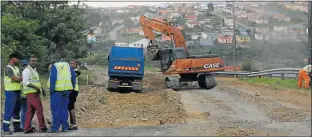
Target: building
{"x":192,"y":24}
{"x":229,"y":21}
{"x":243,"y":39}
{"x":136,"y":43}
{"x":225,"y":39}
{"x":261,"y":36}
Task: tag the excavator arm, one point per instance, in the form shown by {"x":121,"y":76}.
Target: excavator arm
{"x":149,"y":24}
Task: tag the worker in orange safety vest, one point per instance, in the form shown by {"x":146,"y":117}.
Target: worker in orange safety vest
{"x":303,"y":75}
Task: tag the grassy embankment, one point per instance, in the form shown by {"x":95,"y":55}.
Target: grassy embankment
{"x":277,"y":83}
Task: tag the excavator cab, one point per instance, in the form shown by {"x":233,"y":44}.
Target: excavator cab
{"x":168,"y":55}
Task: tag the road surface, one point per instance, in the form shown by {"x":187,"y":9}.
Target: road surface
{"x":113,"y":33}
{"x":225,"y":111}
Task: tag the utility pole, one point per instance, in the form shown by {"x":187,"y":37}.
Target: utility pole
{"x":310,"y":34}
{"x":234,"y":37}
{"x":310,"y":31}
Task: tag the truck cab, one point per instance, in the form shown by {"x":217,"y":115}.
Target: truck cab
{"x":126,"y":68}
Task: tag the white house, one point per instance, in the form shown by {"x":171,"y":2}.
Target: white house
{"x":280,"y":28}
{"x":261,"y":36}
{"x":229,"y":21}
{"x":136,"y":44}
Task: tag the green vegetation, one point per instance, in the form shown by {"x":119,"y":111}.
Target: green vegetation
{"x":275,"y":83}
{"x":98,"y":58}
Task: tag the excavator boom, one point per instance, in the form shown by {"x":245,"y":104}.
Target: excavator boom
{"x":169,"y":29}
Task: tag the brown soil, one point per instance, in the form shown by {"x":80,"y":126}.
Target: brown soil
{"x":96,"y":107}
{"x":289,"y":98}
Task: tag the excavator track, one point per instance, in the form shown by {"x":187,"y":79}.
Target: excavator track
{"x":205,"y":81}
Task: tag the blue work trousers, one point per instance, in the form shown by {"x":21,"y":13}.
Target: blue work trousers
{"x":23,"y":112}
{"x":59,"y":107}
{"x":12,"y":108}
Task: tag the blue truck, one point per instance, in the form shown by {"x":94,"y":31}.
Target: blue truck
{"x":126,"y":68}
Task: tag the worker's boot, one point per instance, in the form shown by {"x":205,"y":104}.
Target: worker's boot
{"x":73,"y":125}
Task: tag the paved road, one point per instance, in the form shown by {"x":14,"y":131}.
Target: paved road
{"x":220,"y":111}
{"x":113,"y":33}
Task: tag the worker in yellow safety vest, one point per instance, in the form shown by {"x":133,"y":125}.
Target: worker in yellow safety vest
{"x":303,"y":75}
{"x":72,"y":98}
{"x":32,"y":89}
{"x":12,"y":90}
{"x":62,"y":79}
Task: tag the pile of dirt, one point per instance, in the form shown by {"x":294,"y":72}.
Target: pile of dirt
{"x":96,"y":107}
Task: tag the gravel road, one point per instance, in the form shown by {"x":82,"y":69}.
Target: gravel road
{"x":222,"y":111}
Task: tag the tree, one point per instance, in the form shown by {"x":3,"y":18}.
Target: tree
{"x":19,"y":35}
{"x":180,"y":21}
{"x":45,"y":27}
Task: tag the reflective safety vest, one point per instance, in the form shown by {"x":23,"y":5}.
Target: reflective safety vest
{"x":10,"y":85}
{"x":34,"y":79}
{"x":76,"y":86}
{"x":63,"y":81}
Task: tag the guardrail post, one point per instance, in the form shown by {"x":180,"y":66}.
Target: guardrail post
{"x":282,"y":76}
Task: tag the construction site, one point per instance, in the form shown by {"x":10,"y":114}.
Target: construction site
{"x":232,"y":108}
{"x":173,"y":87}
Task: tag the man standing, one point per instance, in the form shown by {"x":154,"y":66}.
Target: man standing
{"x":24,"y":100}
{"x":72,"y":98}
{"x":62,"y":80}
{"x":12,"y":87}
{"x":303,"y":75}
{"x":32,"y":89}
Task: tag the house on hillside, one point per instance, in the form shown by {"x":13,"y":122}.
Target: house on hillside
{"x":259,"y":19}
{"x":262,"y":30}
{"x":192,"y":24}
{"x":280,"y":28}
{"x":136,"y":43}
{"x":229,"y":21}
{"x":191,"y":17}
{"x":261,"y":36}
{"x":225,"y":39}
{"x":175,"y":15}
{"x":117,"y":21}
{"x":162,"y":12}
{"x":243,"y":39}
{"x":281,"y":17}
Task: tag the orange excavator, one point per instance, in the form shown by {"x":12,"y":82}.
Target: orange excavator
{"x":177,"y":60}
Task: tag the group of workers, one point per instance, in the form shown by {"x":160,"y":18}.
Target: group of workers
{"x":22,"y":89}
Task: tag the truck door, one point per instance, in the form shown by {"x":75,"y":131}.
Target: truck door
{"x":166,"y":59}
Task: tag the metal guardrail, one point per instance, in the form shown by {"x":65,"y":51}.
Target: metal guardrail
{"x":279,"y":72}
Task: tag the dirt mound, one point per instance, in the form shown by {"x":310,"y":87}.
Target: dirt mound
{"x":97,"y":107}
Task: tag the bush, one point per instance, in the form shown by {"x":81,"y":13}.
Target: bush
{"x":248,"y":66}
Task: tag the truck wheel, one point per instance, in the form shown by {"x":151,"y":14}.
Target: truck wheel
{"x":210,"y":81}
{"x":110,"y":90}
{"x":167,"y":82}
{"x":201,"y":81}
{"x":138,"y":91}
